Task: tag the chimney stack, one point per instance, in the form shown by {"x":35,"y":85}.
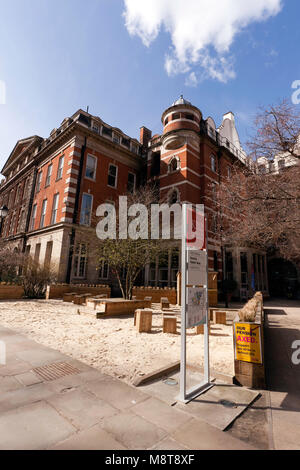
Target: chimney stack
{"x":145,"y":136}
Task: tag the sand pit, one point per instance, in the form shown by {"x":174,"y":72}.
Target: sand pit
{"x":112,"y":345}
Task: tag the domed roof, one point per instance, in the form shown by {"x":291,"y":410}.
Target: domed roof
{"x":181,"y":101}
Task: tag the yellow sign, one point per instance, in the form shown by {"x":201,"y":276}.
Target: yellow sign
{"x":248,"y":343}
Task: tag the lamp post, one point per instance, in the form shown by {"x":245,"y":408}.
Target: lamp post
{"x":3,"y":214}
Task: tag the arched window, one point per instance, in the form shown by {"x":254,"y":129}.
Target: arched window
{"x":174,"y":165}
{"x":174,"y":197}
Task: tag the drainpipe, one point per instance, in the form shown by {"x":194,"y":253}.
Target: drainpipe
{"x":75,"y":214}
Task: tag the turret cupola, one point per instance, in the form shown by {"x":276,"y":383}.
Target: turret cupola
{"x":179,"y":120}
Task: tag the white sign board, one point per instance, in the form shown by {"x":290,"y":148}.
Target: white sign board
{"x":197,"y":268}
{"x":194,"y":292}
{"x":195,"y":306}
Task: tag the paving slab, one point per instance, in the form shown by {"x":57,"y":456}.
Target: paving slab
{"x":115,"y":392}
{"x":36,"y":427}
{"x":198,"y":435}
{"x":8,"y":384}
{"x":169,"y":444}
{"x":82,"y":409}
{"x":29,"y":378}
{"x":14,"y":366}
{"x":133,"y":431}
{"x":169,"y":393}
{"x":24,"y":396}
{"x":94,"y":438}
{"x":220,"y":405}
{"x":160,"y":414}
{"x":74,"y":381}
{"x":43,"y":357}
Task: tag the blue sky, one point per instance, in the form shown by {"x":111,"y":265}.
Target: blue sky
{"x":58,"y":56}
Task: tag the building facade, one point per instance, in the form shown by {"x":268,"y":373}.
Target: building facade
{"x":53,"y":187}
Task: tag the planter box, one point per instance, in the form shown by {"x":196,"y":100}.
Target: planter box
{"x":13,"y":292}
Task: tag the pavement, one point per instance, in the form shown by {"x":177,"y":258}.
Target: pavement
{"x":283,"y":377}
{"x":41,"y":409}
{"x":50,"y":401}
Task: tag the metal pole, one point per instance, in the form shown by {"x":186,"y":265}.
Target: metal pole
{"x":206,"y":327}
{"x":183,"y":307}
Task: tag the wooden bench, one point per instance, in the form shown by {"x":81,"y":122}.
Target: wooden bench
{"x":81,"y":299}
{"x":114,"y":307}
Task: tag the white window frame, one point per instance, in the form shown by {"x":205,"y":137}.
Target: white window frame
{"x":60,"y":168}
{"x":39,"y":181}
{"x":79,"y":256}
{"x":101,"y":270}
{"x":86,"y":167}
{"x":116,"y":180}
{"x":91,"y":210}
{"x":49,"y":175}
{"x":33,"y":216}
{"x":54,"y":208}
{"x":43,"y":213}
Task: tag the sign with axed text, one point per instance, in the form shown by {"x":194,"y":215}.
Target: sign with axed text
{"x":247,"y":343}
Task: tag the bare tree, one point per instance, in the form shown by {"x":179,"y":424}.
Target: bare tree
{"x":10,"y":264}
{"x":277,"y":130}
{"x":35,"y":277}
{"x":128,"y":257}
{"x":262,"y":210}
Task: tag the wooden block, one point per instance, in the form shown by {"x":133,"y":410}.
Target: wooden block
{"x":164,"y":303}
{"x":220,"y":317}
{"x":170,"y":325}
{"x":200,"y":329}
{"x":69,"y":297}
{"x":143,"y":321}
{"x":78,"y":299}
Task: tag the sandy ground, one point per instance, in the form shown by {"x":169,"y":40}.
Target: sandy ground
{"x":112,"y":345}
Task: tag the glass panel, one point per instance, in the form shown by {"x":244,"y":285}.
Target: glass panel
{"x":86,"y":206}
{"x":90,"y":171}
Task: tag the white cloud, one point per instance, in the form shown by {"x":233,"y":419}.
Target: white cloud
{"x":201,"y":32}
{"x":192,"y":80}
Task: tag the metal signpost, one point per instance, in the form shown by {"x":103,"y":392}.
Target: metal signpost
{"x":194,"y":291}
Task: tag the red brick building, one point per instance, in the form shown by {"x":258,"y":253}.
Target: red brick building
{"x":53,"y":187}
